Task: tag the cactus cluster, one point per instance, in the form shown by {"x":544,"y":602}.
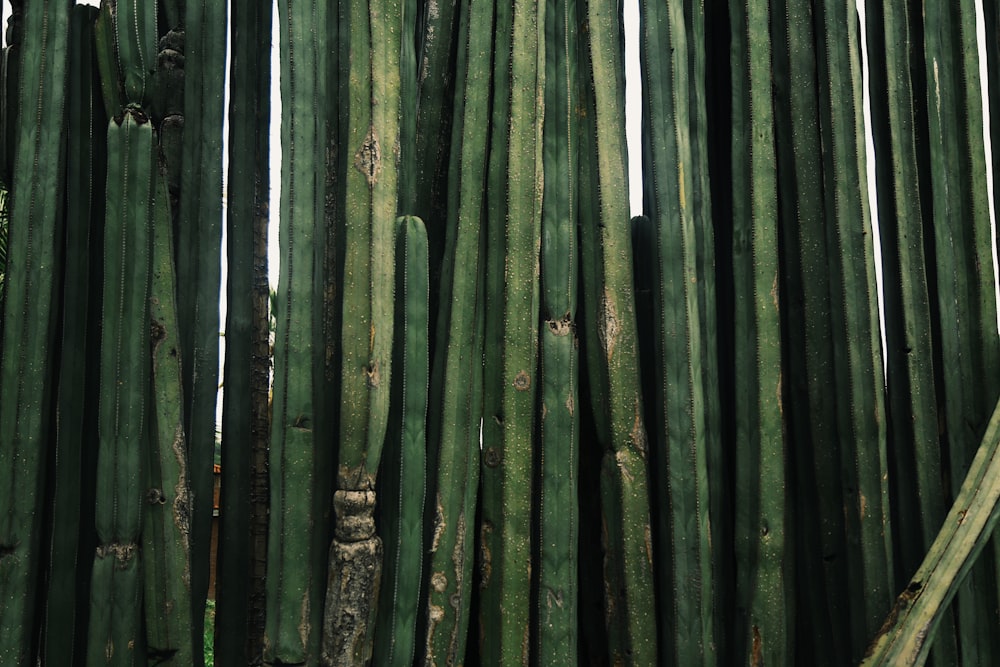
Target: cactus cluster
{"x":509,"y":424}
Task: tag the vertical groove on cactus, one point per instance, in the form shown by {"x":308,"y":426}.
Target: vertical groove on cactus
{"x":912,"y":406}
{"x":456,"y":391}
{"x":297,"y":535}
{"x":166,"y":525}
{"x":966,"y":305}
{"x":764,"y":623}
{"x":199,"y":272}
{"x":29,"y":319}
{"x":67,"y":583}
{"x":675,"y":173}
{"x":238,"y":633}
{"x":402,"y":480}
{"x":125,"y":410}
{"x":612,"y":357}
{"x":559,"y":368}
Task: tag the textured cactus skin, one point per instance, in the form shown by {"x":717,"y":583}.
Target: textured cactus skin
{"x":559,"y":361}
{"x":71,"y":525}
{"x":124,"y":413}
{"x":402,"y":479}
{"x":456,"y":392}
{"x":675,"y":171}
{"x":906,"y":636}
{"x":613,"y":357}
{"x":297,"y":537}
{"x":239,"y":583}
{"x":515,"y":180}
{"x":166,"y":521}
{"x":966,"y":302}
{"x":199,"y":236}
{"x":763,"y":634}
{"x":29,"y":318}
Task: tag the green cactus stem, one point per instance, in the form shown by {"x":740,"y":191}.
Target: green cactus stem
{"x":402,"y":479}
{"x":612,"y":354}
{"x":123,"y":427}
{"x":763,"y":593}
{"x":239,"y":584}
{"x":909,"y":629}
{"x":559,"y":367}
{"x":29,"y":320}
{"x":456,"y":393}
{"x":71,"y":525}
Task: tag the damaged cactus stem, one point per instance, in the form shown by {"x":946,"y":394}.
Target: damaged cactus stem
{"x":355,"y":572}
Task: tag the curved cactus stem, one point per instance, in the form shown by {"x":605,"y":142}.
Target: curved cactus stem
{"x":29,"y":320}
{"x":907,"y":634}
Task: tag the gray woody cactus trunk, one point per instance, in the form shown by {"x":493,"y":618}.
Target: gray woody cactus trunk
{"x":670,"y":439}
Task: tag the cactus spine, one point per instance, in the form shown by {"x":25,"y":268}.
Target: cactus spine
{"x":29,"y":316}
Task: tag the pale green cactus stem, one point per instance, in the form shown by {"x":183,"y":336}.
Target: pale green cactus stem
{"x":558,"y":547}
{"x":456,"y":391}
{"x":116,"y":626}
{"x":299,"y":486}
{"x":404,"y":464}
{"x":29,"y":320}
{"x":239,"y":585}
{"x":612,"y":355}
{"x":370,"y":118}
{"x":969,"y":377}
{"x":912,"y":405}
{"x":909,"y":630}
{"x":763,"y":577}
{"x":683,"y":436}
{"x":167,"y":508}
{"x":67,"y":592}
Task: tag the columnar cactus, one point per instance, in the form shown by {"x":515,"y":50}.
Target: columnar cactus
{"x":29,"y":318}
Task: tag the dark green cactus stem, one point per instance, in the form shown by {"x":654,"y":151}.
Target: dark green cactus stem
{"x":763,"y":578}
{"x":135,"y":44}
{"x":612,"y":357}
{"x":969,"y":377}
{"x":10,"y":84}
{"x":239,"y":585}
{"x":167,"y":507}
{"x":402,"y":479}
{"x":371,"y":133}
{"x":909,"y":630}
{"x":456,"y":392}
{"x":199,"y":272}
{"x":124,"y":414}
{"x":557,"y":613}
{"x":912,"y":408}
{"x":29,"y":319}
{"x":674,"y":173}
{"x":299,"y":485}
{"x":107,"y":60}
{"x":71,"y":522}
